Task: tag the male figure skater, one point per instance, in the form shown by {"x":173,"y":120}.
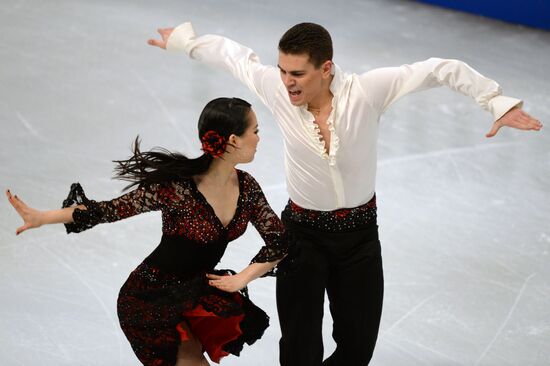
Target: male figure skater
{"x":329,"y":121}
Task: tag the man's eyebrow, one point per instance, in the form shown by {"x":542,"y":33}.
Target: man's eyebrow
{"x":293,"y":71}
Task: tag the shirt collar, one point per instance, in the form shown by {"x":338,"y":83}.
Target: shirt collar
{"x":337,"y":81}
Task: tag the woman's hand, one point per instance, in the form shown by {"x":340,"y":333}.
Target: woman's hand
{"x":229,"y":283}
{"x":30,"y":216}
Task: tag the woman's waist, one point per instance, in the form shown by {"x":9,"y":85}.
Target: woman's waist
{"x":179,"y":255}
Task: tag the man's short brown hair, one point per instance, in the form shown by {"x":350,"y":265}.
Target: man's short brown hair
{"x":308,"y":38}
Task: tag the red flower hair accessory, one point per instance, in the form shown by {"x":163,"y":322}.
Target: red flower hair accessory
{"x":213,"y":143}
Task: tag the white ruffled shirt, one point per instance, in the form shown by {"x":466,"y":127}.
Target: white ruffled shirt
{"x":345,"y":176}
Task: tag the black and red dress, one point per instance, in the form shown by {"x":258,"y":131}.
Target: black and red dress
{"x":169,"y":288}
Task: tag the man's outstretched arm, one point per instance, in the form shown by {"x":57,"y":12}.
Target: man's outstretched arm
{"x":387,"y":85}
{"x":222,"y":53}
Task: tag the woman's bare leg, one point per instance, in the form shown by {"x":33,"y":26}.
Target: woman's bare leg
{"x":190,"y":352}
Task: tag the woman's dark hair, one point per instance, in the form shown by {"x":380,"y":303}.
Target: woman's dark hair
{"x":224,"y":116}
{"x":310,"y":39}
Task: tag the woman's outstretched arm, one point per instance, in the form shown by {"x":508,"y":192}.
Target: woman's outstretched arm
{"x":33,"y":218}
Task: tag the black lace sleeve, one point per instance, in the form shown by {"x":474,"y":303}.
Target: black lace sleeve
{"x":132,"y":203}
{"x":269,"y":226}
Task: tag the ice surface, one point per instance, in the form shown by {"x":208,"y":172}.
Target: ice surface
{"x":464,"y":220}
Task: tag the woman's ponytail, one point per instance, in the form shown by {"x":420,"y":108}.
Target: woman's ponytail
{"x":158,"y":165}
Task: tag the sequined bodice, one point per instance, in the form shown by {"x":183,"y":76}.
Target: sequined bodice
{"x":187,"y":214}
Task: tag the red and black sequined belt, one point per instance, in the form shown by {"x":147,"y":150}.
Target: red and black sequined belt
{"x":341,"y":220}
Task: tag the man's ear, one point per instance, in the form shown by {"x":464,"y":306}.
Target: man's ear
{"x":326,"y":68}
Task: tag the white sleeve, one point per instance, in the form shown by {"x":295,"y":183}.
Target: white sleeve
{"x":221,"y":52}
{"x":386,"y":85}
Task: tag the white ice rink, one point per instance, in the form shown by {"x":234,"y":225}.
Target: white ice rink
{"x":464,"y":220}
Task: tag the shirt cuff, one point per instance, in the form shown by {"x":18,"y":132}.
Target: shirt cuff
{"x":501,"y":104}
{"x":180,"y":37}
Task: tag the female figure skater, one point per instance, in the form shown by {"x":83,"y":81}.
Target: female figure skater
{"x":174,"y":305}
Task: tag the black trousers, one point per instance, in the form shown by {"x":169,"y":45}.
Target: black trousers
{"x":348,"y":265}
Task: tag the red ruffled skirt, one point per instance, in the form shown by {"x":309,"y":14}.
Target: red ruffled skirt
{"x":155,"y":307}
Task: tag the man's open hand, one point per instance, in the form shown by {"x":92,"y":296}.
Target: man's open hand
{"x":164,"y":33}
{"x":515,"y":118}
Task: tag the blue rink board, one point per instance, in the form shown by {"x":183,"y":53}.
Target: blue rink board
{"x":534,"y":13}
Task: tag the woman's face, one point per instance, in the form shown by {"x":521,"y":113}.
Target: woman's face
{"x":247,"y":143}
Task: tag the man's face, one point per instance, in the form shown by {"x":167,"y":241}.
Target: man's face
{"x":303,"y":81}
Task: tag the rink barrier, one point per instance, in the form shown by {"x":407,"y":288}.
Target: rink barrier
{"x":532,"y":13}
